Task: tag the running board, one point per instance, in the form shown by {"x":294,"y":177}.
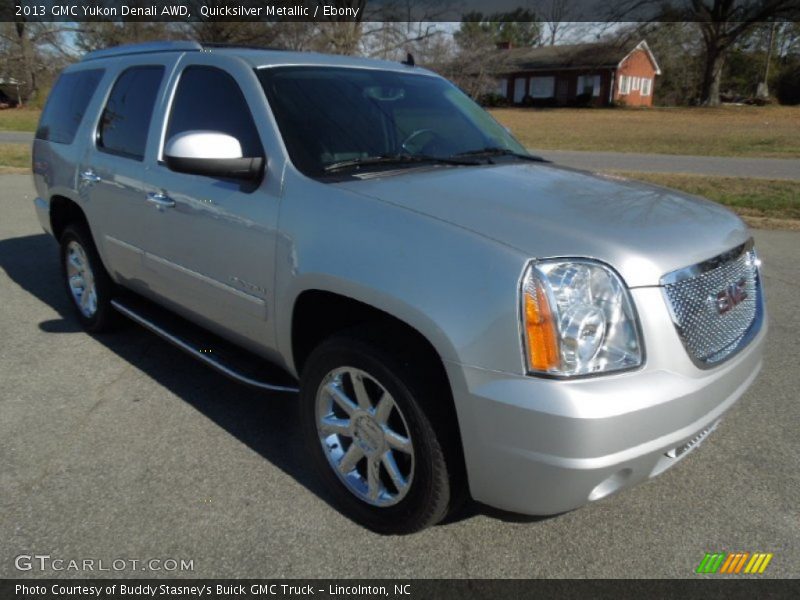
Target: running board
{"x":207,"y":347}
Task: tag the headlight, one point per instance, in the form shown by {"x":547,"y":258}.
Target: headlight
{"x":577,"y":319}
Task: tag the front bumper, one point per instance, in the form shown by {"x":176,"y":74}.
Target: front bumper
{"x":540,"y":446}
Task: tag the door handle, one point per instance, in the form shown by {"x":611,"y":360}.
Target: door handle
{"x":89,"y":176}
{"x":160,"y":200}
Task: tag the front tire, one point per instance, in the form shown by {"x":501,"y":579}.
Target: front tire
{"x":87,"y":283}
{"x":366,"y":423}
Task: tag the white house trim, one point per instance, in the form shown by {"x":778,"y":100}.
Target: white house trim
{"x":642,"y":46}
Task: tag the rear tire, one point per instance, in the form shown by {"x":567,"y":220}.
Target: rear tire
{"x":375,"y":443}
{"x":88,"y":285}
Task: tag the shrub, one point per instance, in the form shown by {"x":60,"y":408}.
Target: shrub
{"x":493,"y":100}
{"x":787,"y":87}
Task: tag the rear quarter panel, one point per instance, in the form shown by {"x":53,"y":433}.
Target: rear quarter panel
{"x":55,"y":166}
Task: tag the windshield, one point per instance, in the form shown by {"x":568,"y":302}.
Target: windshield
{"x":334,"y":118}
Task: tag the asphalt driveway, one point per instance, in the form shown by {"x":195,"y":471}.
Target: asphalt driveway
{"x":722,"y":166}
{"x":15,"y":137}
{"x":121,"y":447}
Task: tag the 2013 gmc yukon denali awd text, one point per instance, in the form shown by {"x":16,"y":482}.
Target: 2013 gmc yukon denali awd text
{"x":456,"y":316}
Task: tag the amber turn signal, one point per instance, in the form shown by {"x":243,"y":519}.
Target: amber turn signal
{"x":540,"y":329}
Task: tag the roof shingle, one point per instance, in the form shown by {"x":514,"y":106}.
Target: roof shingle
{"x":570,"y":56}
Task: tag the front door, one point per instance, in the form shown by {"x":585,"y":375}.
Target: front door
{"x":217,"y":236}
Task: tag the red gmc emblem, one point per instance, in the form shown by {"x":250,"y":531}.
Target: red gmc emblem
{"x":732,"y":295}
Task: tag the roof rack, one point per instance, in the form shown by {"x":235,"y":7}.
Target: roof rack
{"x":145,"y":48}
{"x":222,"y":45}
{"x":177,"y":46}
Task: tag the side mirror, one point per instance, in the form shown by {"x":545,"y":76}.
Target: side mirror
{"x":211,"y":153}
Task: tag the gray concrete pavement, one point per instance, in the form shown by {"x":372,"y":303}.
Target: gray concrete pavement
{"x":725,"y":166}
{"x":120,"y":446}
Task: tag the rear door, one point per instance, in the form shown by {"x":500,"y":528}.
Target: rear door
{"x":110,"y":176}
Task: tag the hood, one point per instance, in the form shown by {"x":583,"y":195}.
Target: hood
{"x":641,"y":230}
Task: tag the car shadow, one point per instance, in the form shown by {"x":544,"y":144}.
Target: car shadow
{"x":254,"y":417}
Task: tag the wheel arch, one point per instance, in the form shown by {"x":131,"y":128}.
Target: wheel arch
{"x":318,"y":314}
{"x":63,"y":211}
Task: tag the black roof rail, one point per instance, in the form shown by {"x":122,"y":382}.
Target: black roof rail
{"x":144,"y":48}
{"x":221,"y":45}
{"x":174,"y":46}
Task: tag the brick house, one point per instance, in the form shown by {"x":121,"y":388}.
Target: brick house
{"x":578,"y":74}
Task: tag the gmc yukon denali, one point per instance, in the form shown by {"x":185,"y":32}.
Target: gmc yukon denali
{"x":456,"y":317}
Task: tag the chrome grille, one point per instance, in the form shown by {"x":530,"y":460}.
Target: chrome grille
{"x":715,"y":304}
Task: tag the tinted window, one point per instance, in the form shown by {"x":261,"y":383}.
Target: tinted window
{"x":327,"y":115}
{"x":126,"y":118}
{"x":66,"y":105}
{"x":210,"y":99}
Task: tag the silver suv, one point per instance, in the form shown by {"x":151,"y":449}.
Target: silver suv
{"x":456,"y":316}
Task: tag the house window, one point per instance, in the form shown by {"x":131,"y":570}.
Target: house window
{"x":647,"y":86}
{"x":635,"y":81}
{"x":588,"y":84}
{"x":543,"y":87}
{"x":624,"y":85}
{"x":519,"y":89}
{"x":502,"y":87}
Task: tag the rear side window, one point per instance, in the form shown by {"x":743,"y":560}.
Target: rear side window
{"x":67,"y":104}
{"x":209,"y":99}
{"x":126,"y":117}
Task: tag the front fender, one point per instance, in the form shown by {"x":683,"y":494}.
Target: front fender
{"x":457,"y":288}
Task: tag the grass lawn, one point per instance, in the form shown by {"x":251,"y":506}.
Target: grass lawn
{"x":760,"y":201}
{"x":771,"y":131}
{"x":19,"y":119}
{"x":766,"y":203}
{"x":15,"y":158}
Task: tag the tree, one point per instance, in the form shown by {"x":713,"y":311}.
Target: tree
{"x":722,"y":23}
{"x":785,"y":80}
{"x":32,"y":53}
{"x":519,"y":28}
{"x":678,"y":50}
{"x":401,"y":26}
{"x":96,"y":35}
{"x":718,"y":25}
{"x":342,"y":34}
{"x":477,"y":61}
{"x":557,"y":15}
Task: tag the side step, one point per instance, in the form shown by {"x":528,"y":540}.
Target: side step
{"x":214,"y":351}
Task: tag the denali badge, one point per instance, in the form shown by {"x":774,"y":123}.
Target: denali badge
{"x":728,"y":298}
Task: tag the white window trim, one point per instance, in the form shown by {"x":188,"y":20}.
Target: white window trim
{"x":647,"y":86}
{"x":635,"y":83}
{"x":624,"y":85}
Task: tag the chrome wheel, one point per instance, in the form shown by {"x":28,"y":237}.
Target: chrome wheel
{"x":364,"y":436}
{"x":81,"y":279}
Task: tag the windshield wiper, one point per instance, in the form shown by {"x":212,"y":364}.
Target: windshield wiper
{"x":499,"y":151}
{"x":398,"y":159}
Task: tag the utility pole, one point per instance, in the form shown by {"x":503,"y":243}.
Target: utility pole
{"x":763,"y":86}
